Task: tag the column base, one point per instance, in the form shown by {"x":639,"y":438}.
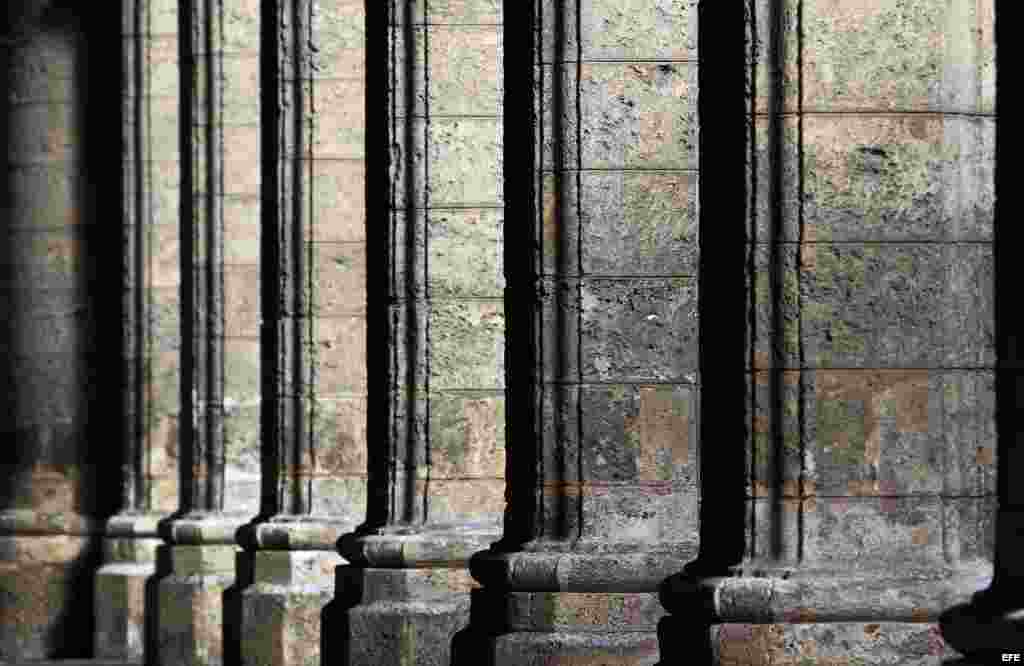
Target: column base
{"x":282,"y":610}
{"x":401,"y":617}
{"x":45,"y":580}
{"x":548,"y":628}
{"x":125,"y":588}
{"x":193,"y":602}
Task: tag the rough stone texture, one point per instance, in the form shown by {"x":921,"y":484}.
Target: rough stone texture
{"x":870,"y":272}
{"x":191,"y":605}
{"x":832,"y":644}
{"x":281,"y":610}
{"x":403,"y":616}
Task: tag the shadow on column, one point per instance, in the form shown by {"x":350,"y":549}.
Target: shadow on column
{"x":55,"y":334}
{"x":959,"y":622}
{"x":725,"y":321}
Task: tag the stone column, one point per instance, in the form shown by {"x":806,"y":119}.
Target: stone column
{"x":50,"y":480}
{"x":870,"y":341}
{"x":602,"y":302}
{"x":152,"y":335}
{"x":314,"y":317}
{"x":994,"y":619}
{"x":437,"y":445}
{"x":198,"y":601}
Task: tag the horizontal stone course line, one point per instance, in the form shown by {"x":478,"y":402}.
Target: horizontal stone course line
{"x":872,"y":112}
{"x":924,"y":241}
{"x":288,"y":159}
{"x":645,"y":382}
{"x":881,"y":368}
{"x":619,"y":61}
{"x":868,"y":497}
{"x":420,"y":24}
{"x":624,"y":169}
{"x":229,"y":53}
{"x":451,"y":116}
{"x":616,"y":277}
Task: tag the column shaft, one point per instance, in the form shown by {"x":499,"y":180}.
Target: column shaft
{"x":199,"y":601}
{"x":51,"y":487}
{"x":314,"y":267}
{"x":603,"y":497}
{"x":439,"y":465}
{"x":151,"y":324}
{"x":870,"y":372}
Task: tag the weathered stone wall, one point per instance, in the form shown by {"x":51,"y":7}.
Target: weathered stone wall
{"x":257,"y":276}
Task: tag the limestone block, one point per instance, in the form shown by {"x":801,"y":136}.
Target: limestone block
{"x":339,"y":126}
{"x":241,"y":300}
{"x":464,"y":161}
{"x":465,"y":249}
{"x":241,"y":26}
{"x":241,"y":369}
{"x":898,"y":178}
{"x":405,"y":633}
{"x":467,"y":344}
{"x":444,"y":12}
{"x":638,"y":115}
{"x":464,"y":500}
{"x":612,"y":31}
{"x":339,"y":32}
{"x":340,"y":498}
{"x":338,"y":200}
{"x":240,"y":91}
{"x":242,"y":230}
{"x":339,"y":279}
{"x":637,"y":223}
{"x":467,"y":435}
{"x":463,"y":64}
{"x":339,"y":435}
{"x":339,"y":353}
{"x":639,"y":329}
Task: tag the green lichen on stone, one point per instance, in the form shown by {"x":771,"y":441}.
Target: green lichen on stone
{"x":762,"y":450}
{"x":838,"y":265}
{"x":448,"y":424}
{"x":921,"y":472}
{"x":843,"y":341}
{"x":890,"y":52}
{"x":839,"y":422}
